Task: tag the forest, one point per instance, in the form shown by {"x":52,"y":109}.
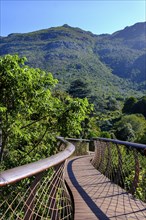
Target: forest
{"x":33,"y":112}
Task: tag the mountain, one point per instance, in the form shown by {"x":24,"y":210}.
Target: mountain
{"x":125,"y":52}
{"x":110,"y":64}
{"x":136,"y":32}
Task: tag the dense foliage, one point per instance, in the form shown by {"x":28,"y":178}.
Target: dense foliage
{"x":133,"y":105}
{"x":32,"y":113}
{"x":130,"y":128}
{"x":79,"y":88}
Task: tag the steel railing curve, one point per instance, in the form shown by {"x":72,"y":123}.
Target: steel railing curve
{"x":37,"y":190}
{"x":124,"y":163}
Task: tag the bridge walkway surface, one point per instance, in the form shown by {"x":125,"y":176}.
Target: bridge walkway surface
{"x":96,"y":197}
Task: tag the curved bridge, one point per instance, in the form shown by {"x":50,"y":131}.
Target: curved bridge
{"x":89,"y":179}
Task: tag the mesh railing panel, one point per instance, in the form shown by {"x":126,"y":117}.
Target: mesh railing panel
{"x":42,"y":197}
{"x":123,"y":165}
{"x":37,"y":191}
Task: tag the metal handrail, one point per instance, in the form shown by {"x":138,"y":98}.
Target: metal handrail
{"x":18,"y":173}
{"x":47,"y":192}
{"x":116,"y":141}
{"x":123,"y":163}
{"x":126,"y":143}
{"x":40,"y":190}
{"x":78,"y":139}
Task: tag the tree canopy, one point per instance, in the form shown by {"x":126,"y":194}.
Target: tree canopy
{"x":130,"y":128}
{"x":79,"y":88}
{"x":133,"y":105}
{"x":32,"y":113}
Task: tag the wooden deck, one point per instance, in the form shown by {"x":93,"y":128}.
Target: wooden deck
{"x":95,"y":197}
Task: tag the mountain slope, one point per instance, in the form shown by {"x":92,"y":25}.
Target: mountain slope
{"x":122,"y":50}
{"x":71,"y":53}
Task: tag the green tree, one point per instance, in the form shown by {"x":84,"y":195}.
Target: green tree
{"x":143,"y":138}
{"x":79,"y":88}
{"x":140,"y":106}
{"x":74,"y":112}
{"x":125,"y":132}
{"x":112,"y":104}
{"x":133,"y":105}
{"x":129,"y":105}
{"x":130,"y":127}
{"x":26,"y":104}
{"x":31,"y":114}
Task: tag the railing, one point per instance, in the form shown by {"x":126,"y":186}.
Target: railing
{"x":37,"y":190}
{"x":81,"y":146}
{"x":124,"y":163}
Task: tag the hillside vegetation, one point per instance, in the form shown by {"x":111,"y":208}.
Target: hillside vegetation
{"x":107,"y":69}
{"x":110,"y":64}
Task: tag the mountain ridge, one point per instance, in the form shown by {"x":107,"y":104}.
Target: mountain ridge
{"x":70,"y":53}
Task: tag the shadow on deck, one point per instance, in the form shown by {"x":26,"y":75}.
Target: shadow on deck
{"x":96,"y":197}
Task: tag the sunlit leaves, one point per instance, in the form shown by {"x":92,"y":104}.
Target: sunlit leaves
{"x":32,"y":113}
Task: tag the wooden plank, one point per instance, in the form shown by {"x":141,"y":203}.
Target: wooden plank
{"x":96,"y":197}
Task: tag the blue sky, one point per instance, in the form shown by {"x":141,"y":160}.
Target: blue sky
{"x":97,"y":16}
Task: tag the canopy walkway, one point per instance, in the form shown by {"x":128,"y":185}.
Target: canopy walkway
{"x":89,"y":179}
